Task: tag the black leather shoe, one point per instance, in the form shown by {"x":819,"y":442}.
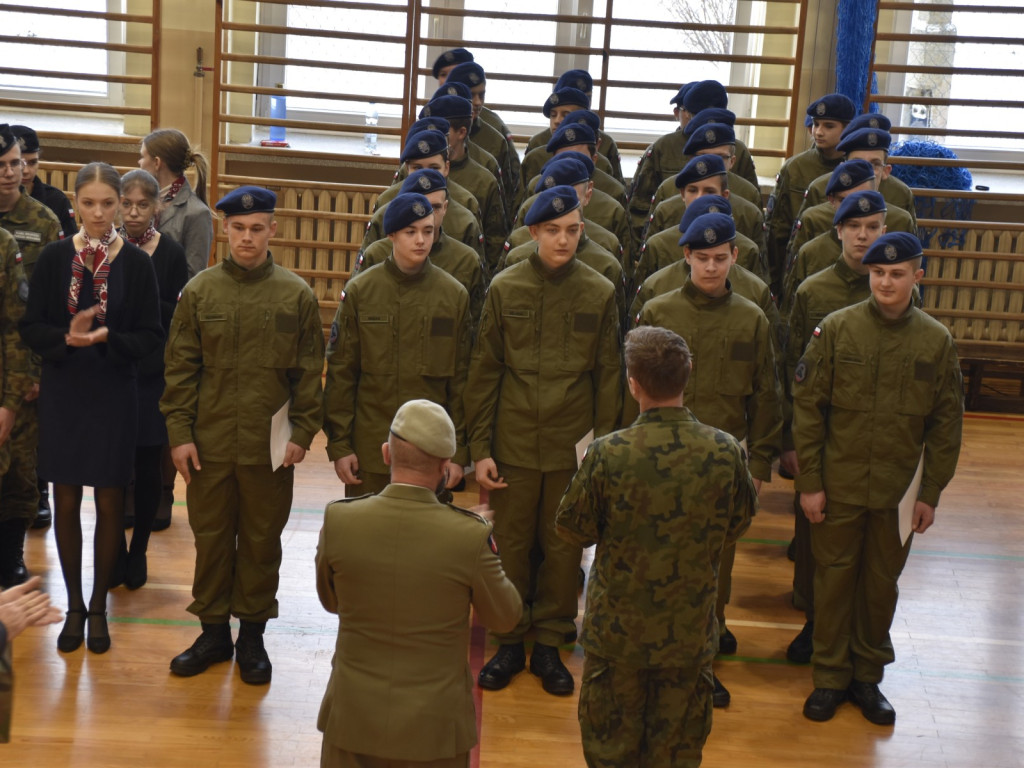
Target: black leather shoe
{"x":73,"y":633}
{"x":509,"y":661}
{"x":873,"y":705}
{"x":44,"y":517}
{"x":726,"y":642}
{"x":212,"y":646}
{"x":99,"y":634}
{"x":546,"y":664}
{"x":251,"y":656}
{"x":802,"y":647}
{"x":136,"y":571}
{"x":162,"y":521}
{"x":721,"y":697}
{"x":821,"y":704}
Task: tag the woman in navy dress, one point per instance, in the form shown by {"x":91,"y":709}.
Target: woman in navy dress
{"x":93,"y":312}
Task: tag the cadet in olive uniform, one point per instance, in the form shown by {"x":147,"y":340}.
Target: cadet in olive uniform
{"x":577,"y":133}
{"x":877,"y":393}
{"x":402,"y":571}
{"x":859,"y":222}
{"x":245,"y":343}
{"x":829,"y":114}
{"x":871,"y":145}
{"x":33,"y":226}
{"x":457,"y":259}
{"x":18,"y":376}
{"x":47,"y":194}
{"x":563,"y":105}
{"x":735,"y":387}
{"x":660,"y":498}
{"x":402,"y":332}
{"x":545,"y":371}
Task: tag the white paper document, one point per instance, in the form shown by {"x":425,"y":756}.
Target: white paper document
{"x":581,"y":447}
{"x":908,"y":501}
{"x":280,"y":434}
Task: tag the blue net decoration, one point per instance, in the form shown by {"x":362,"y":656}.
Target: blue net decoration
{"x":855,"y":29}
{"x":935,"y":177}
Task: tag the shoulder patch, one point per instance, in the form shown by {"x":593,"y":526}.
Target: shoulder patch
{"x":801,"y":372}
{"x":334,"y":333}
{"x":23,"y":289}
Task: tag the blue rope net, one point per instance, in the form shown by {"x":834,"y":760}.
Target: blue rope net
{"x":935,"y":177}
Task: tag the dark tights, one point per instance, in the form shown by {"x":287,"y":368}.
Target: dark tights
{"x":108,"y":541}
{"x":148,"y":485}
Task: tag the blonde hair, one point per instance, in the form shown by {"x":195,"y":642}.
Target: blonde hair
{"x":172,"y":146}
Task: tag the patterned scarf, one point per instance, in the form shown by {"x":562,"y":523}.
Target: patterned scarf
{"x":168,"y":197}
{"x":142,"y":239}
{"x":96,"y":250}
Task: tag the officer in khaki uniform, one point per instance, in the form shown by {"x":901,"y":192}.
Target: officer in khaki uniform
{"x":402,"y":571}
{"x":649,"y":626}
{"x":33,"y":226}
{"x":402,"y":332}
{"x":859,"y":222}
{"x":457,"y":259}
{"x":734,"y":387}
{"x":245,"y":342}
{"x":830,"y":114}
{"x":545,"y":371}
{"x":877,"y":393}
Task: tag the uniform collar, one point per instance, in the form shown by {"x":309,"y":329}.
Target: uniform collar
{"x":824,"y":160}
{"x":409,"y":493}
{"x":667,"y":413}
{"x":546,"y":273}
{"x":254,"y":275}
{"x":843,"y":270}
{"x":901,"y":320}
{"x":403,"y":277}
{"x":700,"y":298}
{"x":19,"y":213}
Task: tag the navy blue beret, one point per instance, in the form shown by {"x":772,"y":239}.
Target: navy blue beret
{"x":709,"y":230}
{"x":892,"y":248}
{"x":453,"y":89}
{"x":27,"y":138}
{"x":244,"y":200}
{"x":404,"y":209}
{"x":699,"y":168}
{"x":468,"y":72}
{"x":835,"y":106}
{"x":700,"y":206}
{"x":681,"y":93}
{"x":858,"y":205}
{"x":430,"y":124}
{"x":868,"y":120}
{"x":424,"y":181}
{"x":864,"y":138}
{"x":579,"y":79}
{"x":848,"y":175}
{"x":448,"y":107}
{"x":581,"y":156}
{"x":710,"y":115}
{"x":562,"y":170}
{"x":551,"y":204}
{"x":563,"y":96}
{"x":706,"y":93}
{"x":584,"y":116}
{"x":424,"y":144}
{"x":571,"y":134}
{"x":709,"y":136}
{"x":454,"y":56}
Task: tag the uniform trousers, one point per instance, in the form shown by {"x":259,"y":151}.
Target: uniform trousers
{"x":524,"y":515}
{"x":859,"y":560}
{"x":803,"y":562}
{"x":333,"y":757}
{"x":724,"y":582}
{"x":237,"y":513}
{"x":644,"y":718}
{"x":20,"y":497}
{"x":373,"y":482}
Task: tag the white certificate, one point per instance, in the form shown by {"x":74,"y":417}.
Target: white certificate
{"x":280,"y":434}
{"x":908,"y":501}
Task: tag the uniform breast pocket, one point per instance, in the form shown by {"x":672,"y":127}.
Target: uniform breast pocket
{"x":852,"y":383}
{"x":217,"y":335}
{"x":439,"y":347}
{"x":917,"y":394}
{"x":376,"y":340}
{"x":280,"y":338}
{"x":582,"y":328}
{"x":736,"y":374}
{"x":519,"y":326}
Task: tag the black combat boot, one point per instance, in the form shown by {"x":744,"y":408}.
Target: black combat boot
{"x":12,"y":553}
{"x":212,"y":646}
{"x":253,"y":662}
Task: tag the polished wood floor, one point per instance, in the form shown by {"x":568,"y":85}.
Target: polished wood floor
{"x":957,"y":684}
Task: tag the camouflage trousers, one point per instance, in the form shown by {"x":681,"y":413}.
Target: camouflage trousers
{"x":20,"y":497}
{"x":647,"y":718}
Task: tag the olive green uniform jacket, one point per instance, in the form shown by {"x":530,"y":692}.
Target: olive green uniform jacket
{"x":606,"y":147}
{"x":484,"y":188}
{"x":814,"y":221}
{"x":738,"y":187}
{"x":395,"y":338}
{"x":594,"y":231}
{"x":733,"y":385}
{"x":242,"y":344}
{"x":660,"y":498}
{"x":748,"y":217}
{"x":456,"y":193}
{"x":545,"y":368}
{"x":662,"y":249}
{"x":868,"y":394}
{"x":535,"y":160}
{"x":892,"y":189}
{"x":512,"y":174}
{"x":402,"y":571}
{"x":459,"y":224}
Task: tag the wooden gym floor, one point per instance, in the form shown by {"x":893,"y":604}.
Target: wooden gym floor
{"x":957,"y":684}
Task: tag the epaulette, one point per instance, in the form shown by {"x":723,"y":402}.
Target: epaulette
{"x":466,"y":512}
{"x":349,"y":498}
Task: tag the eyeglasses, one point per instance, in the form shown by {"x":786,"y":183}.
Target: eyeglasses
{"x":142,"y":207}
{"x":12,"y":166}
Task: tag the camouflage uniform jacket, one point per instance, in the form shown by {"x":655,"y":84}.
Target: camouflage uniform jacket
{"x":34,"y":226}
{"x":395,"y":338}
{"x":733,"y":385}
{"x":660,"y":498}
{"x":546,"y":367}
{"x":869,"y":394}
{"x":16,"y":367}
